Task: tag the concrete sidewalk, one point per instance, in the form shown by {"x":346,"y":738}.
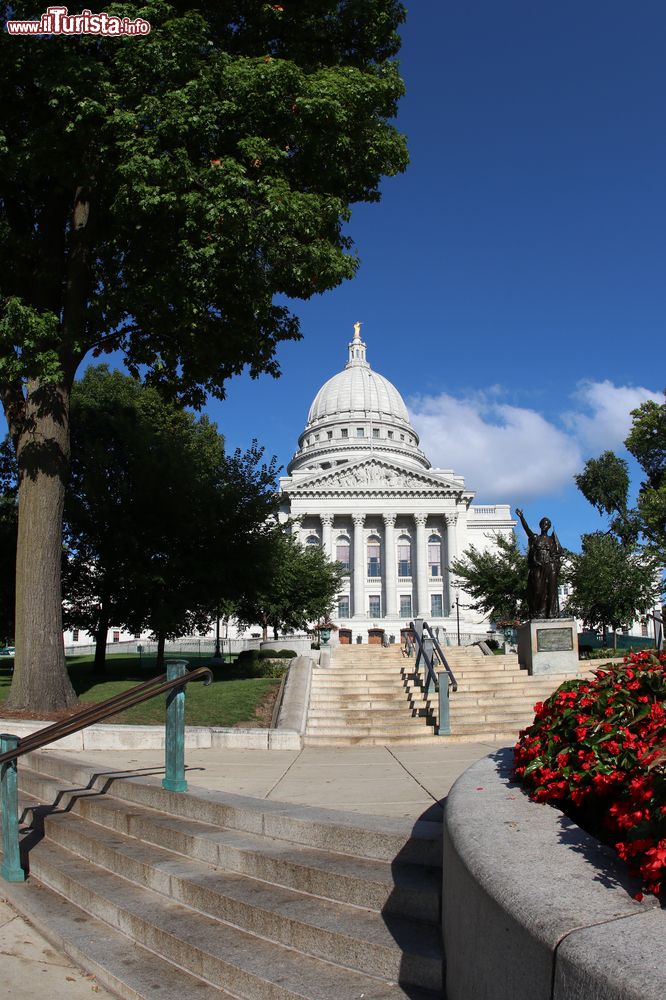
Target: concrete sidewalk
{"x":403,"y":780}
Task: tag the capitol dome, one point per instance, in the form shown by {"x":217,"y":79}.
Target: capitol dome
{"x":354,"y":412}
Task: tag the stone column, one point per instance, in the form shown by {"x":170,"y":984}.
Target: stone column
{"x":423,"y":611}
{"x":326,"y":534}
{"x":359,"y":566}
{"x":451,"y":554}
{"x":391,"y":599}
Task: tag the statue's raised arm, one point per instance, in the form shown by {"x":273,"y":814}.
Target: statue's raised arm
{"x":528,"y":530}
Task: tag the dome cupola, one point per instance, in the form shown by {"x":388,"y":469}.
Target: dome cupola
{"x":356,"y":412}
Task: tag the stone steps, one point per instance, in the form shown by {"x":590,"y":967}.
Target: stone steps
{"x":276,"y":902}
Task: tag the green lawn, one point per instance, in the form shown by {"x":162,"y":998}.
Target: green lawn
{"x":233,"y":697}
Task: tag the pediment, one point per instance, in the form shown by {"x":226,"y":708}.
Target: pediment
{"x":374,"y":475}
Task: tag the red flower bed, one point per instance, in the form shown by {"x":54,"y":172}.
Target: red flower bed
{"x":597,"y":750}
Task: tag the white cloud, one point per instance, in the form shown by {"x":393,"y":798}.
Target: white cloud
{"x":610,"y":419}
{"x":513,"y":454}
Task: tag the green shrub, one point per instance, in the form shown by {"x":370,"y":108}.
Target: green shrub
{"x":247,"y":656}
{"x":277,"y":654}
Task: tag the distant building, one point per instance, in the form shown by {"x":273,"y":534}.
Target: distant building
{"x":360,"y":486}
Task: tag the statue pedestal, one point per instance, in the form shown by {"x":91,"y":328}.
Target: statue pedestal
{"x":548,"y":646}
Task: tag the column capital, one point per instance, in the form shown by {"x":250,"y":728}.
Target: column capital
{"x":359,"y":520}
{"x":451,"y":520}
{"x":421,"y":519}
{"x":389,"y":519}
{"x":327,"y":519}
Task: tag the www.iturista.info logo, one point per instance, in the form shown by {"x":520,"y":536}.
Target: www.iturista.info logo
{"x":58,"y":21}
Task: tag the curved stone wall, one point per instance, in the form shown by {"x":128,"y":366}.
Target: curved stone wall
{"x":536,"y":909}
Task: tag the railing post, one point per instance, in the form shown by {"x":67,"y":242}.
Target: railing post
{"x":444,"y":728}
{"x":10,"y":869}
{"x":174,"y":740}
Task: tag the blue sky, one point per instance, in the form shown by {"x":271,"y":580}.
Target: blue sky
{"x":512,"y":280}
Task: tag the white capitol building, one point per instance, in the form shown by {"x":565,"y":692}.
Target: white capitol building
{"x":360,"y":486}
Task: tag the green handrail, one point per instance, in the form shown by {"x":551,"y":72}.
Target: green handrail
{"x":11,"y":747}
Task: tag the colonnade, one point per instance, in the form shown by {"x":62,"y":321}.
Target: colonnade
{"x":389,"y":580}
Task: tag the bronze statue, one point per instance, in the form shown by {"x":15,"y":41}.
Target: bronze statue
{"x":543,"y":558}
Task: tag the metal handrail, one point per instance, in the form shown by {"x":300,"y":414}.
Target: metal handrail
{"x":443,"y":690}
{"x":11,"y":747}
{"x":453,"y":683}
{"x":96,"y":713}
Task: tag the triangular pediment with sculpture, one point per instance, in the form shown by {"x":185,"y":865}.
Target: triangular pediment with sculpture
{"x":371,"y":474}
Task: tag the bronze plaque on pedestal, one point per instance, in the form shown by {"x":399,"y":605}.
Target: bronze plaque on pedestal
{"x":550,"y":640}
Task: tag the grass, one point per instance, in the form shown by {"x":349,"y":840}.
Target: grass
{"x":235,"y":696}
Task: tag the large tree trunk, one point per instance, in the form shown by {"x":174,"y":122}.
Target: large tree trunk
{"x":41,"y":681}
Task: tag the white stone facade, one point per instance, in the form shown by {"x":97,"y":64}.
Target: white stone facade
{"x":360,"y":486}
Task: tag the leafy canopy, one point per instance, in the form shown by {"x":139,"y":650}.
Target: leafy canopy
{"x":495,"y":579}
{"x":612,"y":583}
{"x":298,"y":587}
{"x":157,"y":193}
{"x":161,"y":525}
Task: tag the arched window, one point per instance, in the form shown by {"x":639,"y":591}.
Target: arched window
{"x":312,"y":540}
{"x":434,"y":556}
{"x":374,"y":556}
{"x":342,"y":552}
{"x":404,"y":556}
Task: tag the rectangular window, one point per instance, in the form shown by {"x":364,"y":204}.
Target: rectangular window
{"x":436,"y":605}
{"x":405,"y":605}
{"x":329,"y":434}
{"x":342,"y":554}
{"x":375,"y":432}
{"x":390,"y":434}
{"x":374,"y":606}
{"x":116,"y":636}
{"x":360,"y":432}
{"x":404,"y":560}
{"x":75,"y":635}
{"x":374,"y":567}
{"x":344,"y":432}
{"x":433,"y":559}
{"x":343,"y":606}
{"x":644,"y":628}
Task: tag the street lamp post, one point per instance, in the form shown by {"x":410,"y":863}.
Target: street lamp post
{"x":217,"y":655}
{"x":458,"y":614}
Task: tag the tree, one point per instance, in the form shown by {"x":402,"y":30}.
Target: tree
{"x":298,"y":588}
{"x":161,"y":525}
{"x":496,"y":579}
{"x":156,"y":194}
{"x":647,"y":443}
{"x":605,"y":483}
{"x":611,"y":583}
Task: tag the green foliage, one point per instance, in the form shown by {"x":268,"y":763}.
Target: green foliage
{"x":161,"y":525}
{"x":496,"y":580}
{"x":174,"y":184}
{"x":611,"y":582}
{"x":277,"y":654}
{"x":647,"y":443}
{"x":605,"y":483}
{"x":297,"y":589}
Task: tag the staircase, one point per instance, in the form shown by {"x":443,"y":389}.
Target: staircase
{"x":495,"y":698}
{"x":368,"y":695}
{"x":215,"y":895}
